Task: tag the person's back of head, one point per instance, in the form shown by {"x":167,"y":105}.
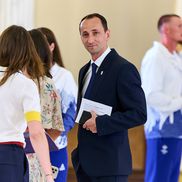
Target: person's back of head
{"x":165,"y":19}
{"x":17,"y":52}
{"x":42,"y":48}
{"x":51,"y":38}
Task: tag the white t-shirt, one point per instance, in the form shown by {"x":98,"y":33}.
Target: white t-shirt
{"x":19,"y":102}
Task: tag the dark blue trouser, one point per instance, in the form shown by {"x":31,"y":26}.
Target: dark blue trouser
{"x":13,"y":164}
{"x":83,"y":177}
{"x":163,"y":160}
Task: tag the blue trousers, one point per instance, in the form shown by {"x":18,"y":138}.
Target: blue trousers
{"x":163,"y":160}
{"x":13,"y":164}
{"x":60,"y":159}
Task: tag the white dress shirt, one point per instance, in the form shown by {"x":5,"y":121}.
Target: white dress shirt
{"x":98,"y":62}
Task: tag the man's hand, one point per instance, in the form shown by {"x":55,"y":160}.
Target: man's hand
{"x":90,"y":124}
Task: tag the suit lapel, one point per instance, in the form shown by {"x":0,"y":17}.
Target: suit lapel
{"x":102,"y":72}
{"x":100,"y":76}
{"x":82,"y":73}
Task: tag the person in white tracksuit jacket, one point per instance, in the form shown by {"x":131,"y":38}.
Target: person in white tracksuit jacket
{"x":161,"y":74}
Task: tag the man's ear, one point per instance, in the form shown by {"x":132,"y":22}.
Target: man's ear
{"x":51,"y":47}
{"x":165,"y":29}
{"x":108,"y":34}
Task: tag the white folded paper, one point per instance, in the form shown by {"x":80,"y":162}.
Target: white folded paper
{"x":89,"y":105}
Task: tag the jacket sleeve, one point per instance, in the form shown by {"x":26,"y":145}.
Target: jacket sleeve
{"x":131,"y":105}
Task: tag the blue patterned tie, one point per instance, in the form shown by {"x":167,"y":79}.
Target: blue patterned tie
{"x":89,"y":88}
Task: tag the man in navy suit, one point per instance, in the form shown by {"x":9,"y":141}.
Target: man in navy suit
{"x":103,"y":152}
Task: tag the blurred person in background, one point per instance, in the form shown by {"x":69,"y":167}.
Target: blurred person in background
{"x":51,"y":116}
{"x":67,"y":89}
{"x":20,"y":106}
{"x":161,"y":73}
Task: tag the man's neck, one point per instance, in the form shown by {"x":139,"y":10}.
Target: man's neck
{"x":96,"y":56}
{"x":169,"y":44}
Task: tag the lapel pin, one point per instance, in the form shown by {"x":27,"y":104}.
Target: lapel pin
{"x":101,"y":73}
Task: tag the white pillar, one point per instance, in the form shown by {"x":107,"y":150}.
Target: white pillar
{"x":16,"y":12}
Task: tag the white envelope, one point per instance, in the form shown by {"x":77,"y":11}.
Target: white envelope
{"x":89,"y":105}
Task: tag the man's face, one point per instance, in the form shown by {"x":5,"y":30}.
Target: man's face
{"x":94,"y":37}
{"x":175,"y":29}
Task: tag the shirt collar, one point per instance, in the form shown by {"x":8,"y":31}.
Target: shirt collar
{"x":163,"y":49}
{"x":100,"y":59}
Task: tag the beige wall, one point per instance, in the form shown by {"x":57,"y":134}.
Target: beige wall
{"x":132,"y":24}
{"x":133,"y":28}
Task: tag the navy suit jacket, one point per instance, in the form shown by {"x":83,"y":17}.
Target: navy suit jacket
{"x":117,"y":84}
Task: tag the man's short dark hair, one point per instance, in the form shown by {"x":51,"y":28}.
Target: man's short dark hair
{"x":93,"y":15}
{"x":164,"y":19}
